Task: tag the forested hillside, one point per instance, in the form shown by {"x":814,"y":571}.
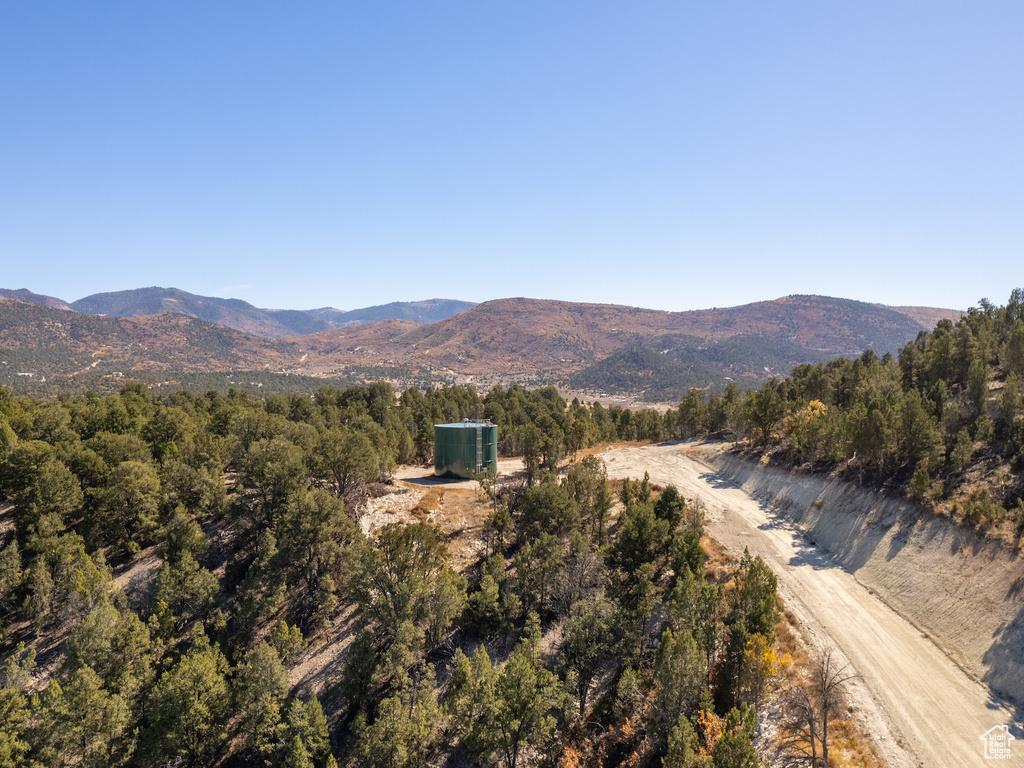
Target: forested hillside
{"x":666,"y":368}
{"x":940,"y":421}
{"x":594,"y":630}
{"x":231,"y":313}
{"x":248,"y":504}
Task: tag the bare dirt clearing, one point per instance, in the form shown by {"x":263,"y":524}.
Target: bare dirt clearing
{"x":914,"y":701}
{"x":457,"y":508}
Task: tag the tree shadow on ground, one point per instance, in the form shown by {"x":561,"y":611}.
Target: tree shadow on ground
{"x":715,"y":480}
{"x":1004,"y":661}
{"x":430,"y":479}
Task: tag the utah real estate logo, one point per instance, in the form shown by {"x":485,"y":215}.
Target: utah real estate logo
{"x":997,"y":742}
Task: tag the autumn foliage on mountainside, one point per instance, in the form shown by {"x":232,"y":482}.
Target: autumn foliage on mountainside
{"x":556,"y":338}
{"x":594,"y":347}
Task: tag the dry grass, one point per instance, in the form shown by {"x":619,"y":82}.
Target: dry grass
{"x":429,"y":502}
{"x":788,"y":640}
{"x":719,"y":562}
{"x":851,"y":748}
{"x":460,"y":514}
{"x":849,"y":745}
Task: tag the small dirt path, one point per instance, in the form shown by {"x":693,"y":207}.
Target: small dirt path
{"x":918,"y":707}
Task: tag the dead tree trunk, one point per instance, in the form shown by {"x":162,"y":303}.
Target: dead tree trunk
{"x":811,"y":704}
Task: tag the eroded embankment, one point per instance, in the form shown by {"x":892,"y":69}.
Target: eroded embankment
{"x":964,"y":591}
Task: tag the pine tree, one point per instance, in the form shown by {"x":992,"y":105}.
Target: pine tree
{"x":260,"y":690}
{"x":189,"y":706}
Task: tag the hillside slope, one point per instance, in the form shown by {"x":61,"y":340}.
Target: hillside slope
{"x":24,"y":294}
{"x":591,"y":347}
{"x":555,"y":338}
{"x":909,"y":560}
{"x":233,"y":313}
{"x":44,"y":342}
{"x":423,"y":312}
{"x":666,"y":367}
{"x":929,"y":316}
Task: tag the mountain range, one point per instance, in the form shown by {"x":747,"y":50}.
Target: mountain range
{"x":241,"y":315}
{"x":24,"y":294}
{"x":590,"y":347}
{"x":627,"y":349}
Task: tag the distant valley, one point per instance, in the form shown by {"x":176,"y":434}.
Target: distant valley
{"x":610,"y":348}
{"x":589,"y":347}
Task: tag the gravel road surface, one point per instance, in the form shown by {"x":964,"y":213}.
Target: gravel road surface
{"x":918,"y":707}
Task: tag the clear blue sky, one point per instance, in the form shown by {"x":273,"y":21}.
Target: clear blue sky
{"x":673,"y":155}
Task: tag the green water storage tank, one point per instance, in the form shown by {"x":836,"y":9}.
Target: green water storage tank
{"x":465,"y":449}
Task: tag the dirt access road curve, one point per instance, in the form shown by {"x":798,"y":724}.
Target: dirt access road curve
{"x":919,"y":708}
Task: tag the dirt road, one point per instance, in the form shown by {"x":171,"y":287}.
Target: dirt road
{"x":916,"y":704}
